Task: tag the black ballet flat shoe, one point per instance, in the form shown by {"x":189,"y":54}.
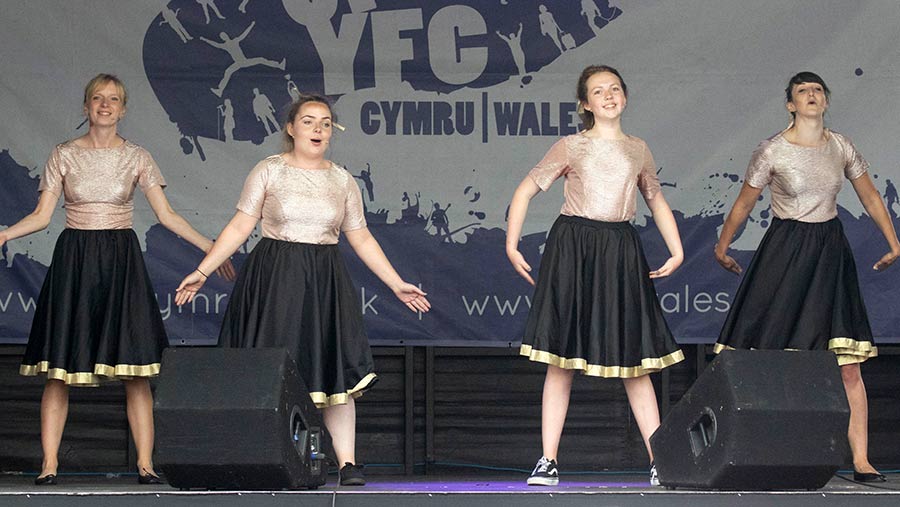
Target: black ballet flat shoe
{"x":47,"y":480}
{"x":868,"y":477}
{"x":352,"y":475}
{"x":148,"y":478}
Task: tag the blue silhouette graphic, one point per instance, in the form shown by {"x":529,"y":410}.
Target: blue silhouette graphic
{"x":409,"y":215}
{"x":226,"y":49}
{"x":441,"y":222}
{"x":366,"y":177}
{"x":233,"y":47}
{"x":489,"y":305}
{"x":890,"y":197}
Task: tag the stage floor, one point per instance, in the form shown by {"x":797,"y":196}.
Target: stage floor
{"x":438,"y":491}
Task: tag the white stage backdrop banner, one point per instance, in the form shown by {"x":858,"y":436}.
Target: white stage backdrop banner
{"x":447,"y":105}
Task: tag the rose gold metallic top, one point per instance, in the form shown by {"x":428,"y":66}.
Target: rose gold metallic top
{"x":98,"y":183}
{"x":602,"y":175}
{"x":302,"y":205}
{"x":804,"y":180}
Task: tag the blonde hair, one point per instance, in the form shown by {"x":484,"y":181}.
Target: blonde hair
{"x":101,"y":80}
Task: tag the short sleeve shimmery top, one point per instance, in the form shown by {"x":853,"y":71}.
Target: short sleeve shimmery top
{"x":805,"y":181}
{"x":302,"y":205}
{"x":602,"y":175}
{"x":98,"y":183}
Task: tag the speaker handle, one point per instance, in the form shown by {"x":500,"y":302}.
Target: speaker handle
{"x":299,"y":434}
{"x":702,"y":431}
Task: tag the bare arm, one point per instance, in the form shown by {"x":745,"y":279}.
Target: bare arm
{"x":230,"y":239}
{"x":744,"y":204}
{"x":173,"y":221}
{"x":668,"y":229}
{"x":37,"y":220}
{"x":178,"y":225}
{"x":871,"y":200}
{"x":518,"y":208}
{"x":367,"y":248}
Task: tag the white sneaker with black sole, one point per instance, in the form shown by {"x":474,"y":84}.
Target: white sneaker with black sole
{"x":545,"y":473}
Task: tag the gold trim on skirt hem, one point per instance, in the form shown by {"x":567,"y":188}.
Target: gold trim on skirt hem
{"x":847,"y":350}
{"x":648,"y":364}
{"x":323,"y":400}
{"x":101,"y":373}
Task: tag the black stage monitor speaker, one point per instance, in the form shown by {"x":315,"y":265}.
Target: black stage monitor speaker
{"x":757,"y":420}
{"x":237,"y":419}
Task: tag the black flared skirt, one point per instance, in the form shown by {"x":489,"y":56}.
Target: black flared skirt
{"x":300,"y":297}
{"x":801,"y":292}
{"x":595,"y":307}
{"x":96,"y":317}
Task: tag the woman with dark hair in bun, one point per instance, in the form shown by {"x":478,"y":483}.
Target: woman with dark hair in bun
{"x":294,"y":291}
{"x":801,"y":291}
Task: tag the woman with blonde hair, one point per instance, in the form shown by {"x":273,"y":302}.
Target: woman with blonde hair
{"x":97,"y":317}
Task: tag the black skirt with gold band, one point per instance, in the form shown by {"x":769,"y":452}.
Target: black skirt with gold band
{"x":300,"y":297}
{"x":595,"y":308}
{"x":96,"y":317}
{"x":801,"y":292}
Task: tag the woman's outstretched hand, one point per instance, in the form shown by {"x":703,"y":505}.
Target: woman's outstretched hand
{"x":668,"y":268}
{"x":412,"y":297}
{"x":189,"y":287}
{"x":886,"y":261}
{"x":522,"y":267}
{"x":728,"y":263}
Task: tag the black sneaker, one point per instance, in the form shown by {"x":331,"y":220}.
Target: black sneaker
{"x":352,"y":475}
{"x":545,"y":473}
